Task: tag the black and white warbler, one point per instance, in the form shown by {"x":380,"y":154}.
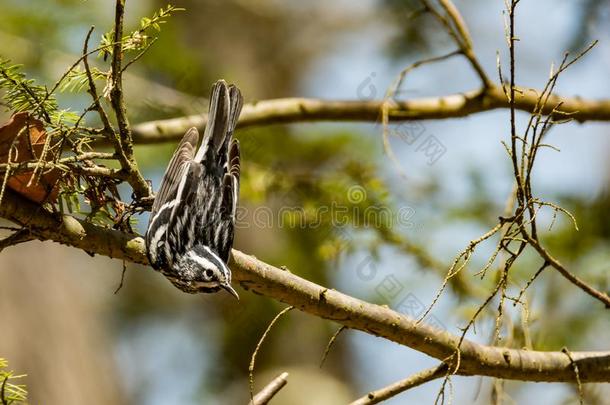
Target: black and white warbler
{"x":190,"y":232}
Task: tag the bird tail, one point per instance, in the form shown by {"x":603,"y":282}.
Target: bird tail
{"x":225,"y":106}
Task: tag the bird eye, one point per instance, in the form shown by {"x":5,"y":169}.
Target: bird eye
{"x":208,"y":273}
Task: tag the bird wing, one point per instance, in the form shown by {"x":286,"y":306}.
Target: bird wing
{"x":166,"y":197}
{"x":175,"y":170}
{"x":190,"y":214}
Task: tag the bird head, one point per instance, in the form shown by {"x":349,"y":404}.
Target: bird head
{"x":200,"y":270}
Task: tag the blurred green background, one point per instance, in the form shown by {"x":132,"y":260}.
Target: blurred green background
{"x":151,"y":344}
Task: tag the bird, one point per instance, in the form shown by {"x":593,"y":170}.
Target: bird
{"x":191,"y":227}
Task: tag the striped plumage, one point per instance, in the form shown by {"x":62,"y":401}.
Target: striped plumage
{"x":190,"y":232}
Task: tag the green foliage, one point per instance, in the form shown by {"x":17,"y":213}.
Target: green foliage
{"x":93,"y":197}
{"x":23,"y":94}
{"x":10,"y":393}
{"x":76,"y":80}
{"x":138,"y":39}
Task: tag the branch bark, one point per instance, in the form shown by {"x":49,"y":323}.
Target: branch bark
{"x":380,"y":395}
{"x":266,"y":394}
{"x":282,"y":285}
{"x":122,"y":140}
{"x":292,"y":110}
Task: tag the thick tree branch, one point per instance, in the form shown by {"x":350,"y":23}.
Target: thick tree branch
{"x":71,"y":231}
{"x":292,"y":110}
{"x":261,"y":278}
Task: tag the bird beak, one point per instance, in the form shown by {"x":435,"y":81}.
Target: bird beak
{"x":230,"y":290}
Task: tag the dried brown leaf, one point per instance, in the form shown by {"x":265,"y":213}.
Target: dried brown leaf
{"x":28,"y":145}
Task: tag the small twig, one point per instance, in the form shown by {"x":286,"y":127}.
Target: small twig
{"x":97,"y":104}
{"x":440,"y":397}
{"x":513,"y":125}
{"x":330,"y":344}
{"x":374,"y":397}
{"x":266,"y":394}
{"x":99,"y":171}
{"x":93,"y":170}
{"x":70,"y":69}
{"x":7,"y":174}
{"x":28,"y":165}
{"x":13,"y":149}
{"x":497,"y":391}
{"x":390,"y":97}
{"x":466,"y":254}
{"x":458,"y":21}
{"x":458,"y":30}
{"x":403,"y":73}
{"x":122,"y":278}
{"x":116,"y":80}
{"x":500,"y":285}
{"x":599,"y":295}
{"x":140,"y":186}
{"x":42,"y":158}
{"x":258,"y":346}
{"x":530,"y":281}
{"x":525,"y":314}
{"x":139,"y":55}
{"x":576,"y":373}
{"x":3,"y":391}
